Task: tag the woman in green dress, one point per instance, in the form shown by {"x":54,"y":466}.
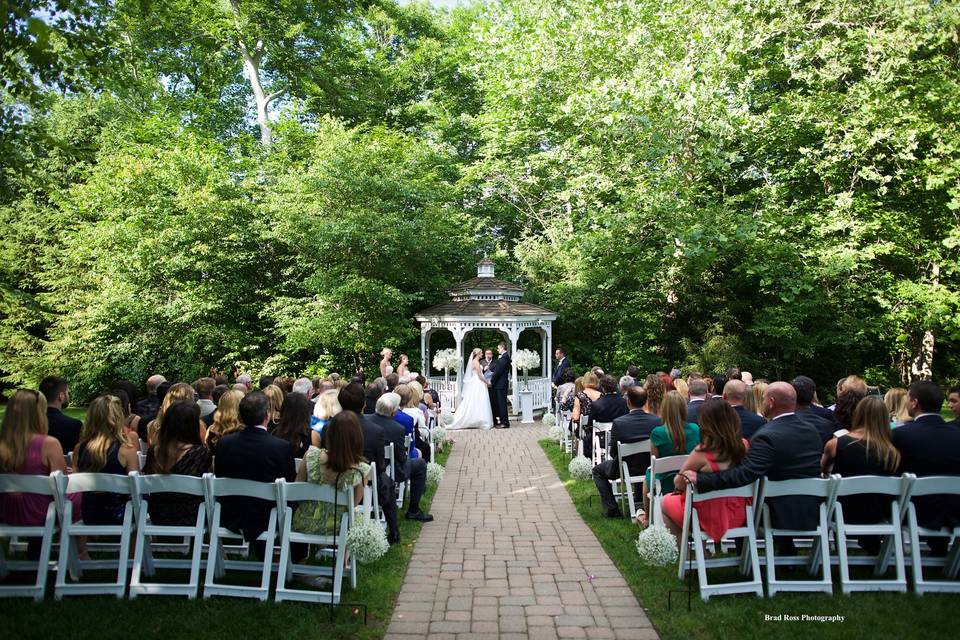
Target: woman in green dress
{"x":674,"y":437}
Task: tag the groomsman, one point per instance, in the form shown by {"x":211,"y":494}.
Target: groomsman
{"x":498,"y":388}
{"x":562,"y":365}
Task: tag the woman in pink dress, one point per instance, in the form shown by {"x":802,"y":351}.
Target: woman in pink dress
{"x":25,"y":448}
{"x":721,"y":446}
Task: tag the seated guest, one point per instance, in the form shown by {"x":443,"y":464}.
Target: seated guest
{"x":324,"y":409}
{"x":60,"y":426}
{"x":382,"y":383}
{"x":294,"y":426}
{"x":930,"y":446}
{"x":898,"y":406}
{"x":265,"y":381}
{"x":624,"y":383}
{"x":635,"y":426}
{"x":428,"y":391}
{"x":104,"y":448}
{"x":411,"y":406}
{"x":846,"y":404}
{"x":26,"y":449}
{"x":735,"y":392}
{"x":392,"y":381}
{"x":247,"y":381}
{"x":131,"y":421}
{"x":303,"y":386}
{"x":697,"y":395}
{"x":215,"y":396}
{"x":754,"y":401}
{"x":226,"y":419}
{"x":824,"y":420}
{"x":412,"y":469}
{"x":655,"y":392}
{"x":865,"y":450}
{"x":582,"y":406}
{"x":953,"y":401}
{"x":675,"y":437}
{"x":204,"y":390}
{"x":252,"y":454}
{"x":418,"y":448}
{"x":178,"y":392}
{"x":722,"y":446}
{"x":371,"y":395}
{"x":340,"y":463}
{"x":148,"y":407}
{"x":179,"y":452}
{"x":275,"y":397}
{"x":420,"y":395}
{"x":607,"y":408}
{"x":565,"y":390}
{"x":787,"y":448}
{"x":680,"y":385}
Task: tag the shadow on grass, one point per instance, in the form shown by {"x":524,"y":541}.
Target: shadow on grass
{"x":866,"y":615}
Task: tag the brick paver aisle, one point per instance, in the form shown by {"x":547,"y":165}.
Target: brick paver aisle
{"x":508,"y":556}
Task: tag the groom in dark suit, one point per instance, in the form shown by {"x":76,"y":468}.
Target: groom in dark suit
{"x":498,"y":388}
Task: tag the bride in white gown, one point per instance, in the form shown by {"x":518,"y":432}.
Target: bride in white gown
{"x":474,"y":411}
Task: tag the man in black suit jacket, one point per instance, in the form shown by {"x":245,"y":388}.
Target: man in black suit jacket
{"x":821,"y":418}
{"x":635,"y":426}
{"x":735,"y":392}
{"x":498,"y":388}
{"x":351,"y":398}
{"x":562,"y":365}
{"x":786,"y":448}
{"x":60,"y":426}
{"x":414,"y":470}
{"x":930,"y":446}
{"x":697,"y":392}
{"x":252,"y":454}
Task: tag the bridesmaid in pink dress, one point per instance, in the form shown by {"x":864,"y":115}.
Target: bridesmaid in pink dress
{"x":721,"y":446}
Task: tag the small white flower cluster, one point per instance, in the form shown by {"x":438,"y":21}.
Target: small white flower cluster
{"x":657,"y":546}
{"x":580,"y":468}
{"x":549,"y":419}
{"x":446,"y":360}
{"x":556,"y":432}
{"x":434,"y":474}
{"x":438,"y":434}
{"x":367,"y":540}
{"x":446,"y":417}
{"x":526,"y":359}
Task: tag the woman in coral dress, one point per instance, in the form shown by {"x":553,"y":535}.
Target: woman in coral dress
{"x":721,"y":446}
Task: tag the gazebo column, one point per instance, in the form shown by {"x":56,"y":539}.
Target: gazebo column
{"x":458,"y":333}
{"x":424,"y":351}
{"x":548,"y":341}
{"x":514,"y":333}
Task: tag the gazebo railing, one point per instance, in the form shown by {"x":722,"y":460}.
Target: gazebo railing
{"x":539,"y":386}
{"x":541,"y":392}
{"x":447,"y":390}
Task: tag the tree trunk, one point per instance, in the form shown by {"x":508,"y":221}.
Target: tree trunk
{"x":251,"y":65}
{"x":922,"y":366}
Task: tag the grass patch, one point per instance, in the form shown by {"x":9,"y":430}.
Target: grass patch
{"x":172,"y":618}
{"x":867,"y":615}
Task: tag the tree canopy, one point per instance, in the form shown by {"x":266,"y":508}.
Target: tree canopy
{"x":281,"y":185}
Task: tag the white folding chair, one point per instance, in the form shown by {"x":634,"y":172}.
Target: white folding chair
{"x":391,"y":462}
{"x":297,"y":463}
{"x":87,"y":483}
{"x":825,"y":489}
{"x":144,"y":447}
{"x":899,"y":489}
{"x":142,"y":459}
{"x":217,"y":564}
{"x":933,"y":485}
{"x":68,"y":460}
{"x":693,"y":535}
{"x":581,"y":428}
{"x":333,"y":543}
{"x":371,"y":498}
{"x":601,"y":440}
{"x":143,"y":560}
{"x":566,"y":439}
{"x":37,"y":486}
{"x":627,"y":480}
{"x":658,"y":466}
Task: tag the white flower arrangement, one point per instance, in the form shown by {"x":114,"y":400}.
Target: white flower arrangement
{"x":367,"y":540}
{"x":549,"y":419}
{"x":580,"y":468}
{"x":657,"y":546}
{"x":446,"y":417}
{"x":446,"y":360}
{"x":526,"y":359}
{"x":556,"y":432}
{"x":438,"y":434}
{"x":434,"y":474}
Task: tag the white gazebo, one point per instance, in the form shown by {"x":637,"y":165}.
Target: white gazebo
{"x":485,"y":302}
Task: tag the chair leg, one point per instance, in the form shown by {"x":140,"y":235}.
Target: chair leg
{"x":700,"y":556}
{"x":139,"y":542}
{"x":769,"y":553}
{"x":268,"y":557}
{"x":197,"y":552}
{"x":283,"y":571}
{"x":43,"y":562}
{"x":123,"y":560}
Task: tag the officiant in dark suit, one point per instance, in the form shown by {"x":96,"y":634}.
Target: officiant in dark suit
{"x":562,"y":365}
{"x":499,"y":382}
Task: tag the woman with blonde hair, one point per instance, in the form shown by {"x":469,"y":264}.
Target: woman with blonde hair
{"x":104,"y":448}
{"x":176,"y":393}
{"x":583,"y":405}
{"x":898,"y":406}
{"x":403,"y":369}
{"x":681,"y":386}
{"x":275,"y":402}
{"x":385,"y":367}
{"x":226,"y":420}
{"x":675,"y":437}
{"x":412,"y":408}
{"x":325,"y":408}
{"x":753,"y":401}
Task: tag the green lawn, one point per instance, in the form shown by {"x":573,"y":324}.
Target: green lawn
{"x":866,"y":615}
{"x":171,"y":618}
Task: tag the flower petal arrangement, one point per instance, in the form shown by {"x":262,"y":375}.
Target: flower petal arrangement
{"x":438,"y":435}
{"x":549,"y":419}
{"x":580,"y":468}
{"x":555,"y":432}
{"x":657,"y":546}
{"x":526,"y":359}
{"x":446,"y":360}
{"x":367,"y":540}
{"x":434,"y":474}
{"x":446,"y":417}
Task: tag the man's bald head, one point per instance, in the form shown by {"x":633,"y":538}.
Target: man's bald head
{"x":153,"y":382}
{"x":735,"y":392}
{"x":779,"y":398}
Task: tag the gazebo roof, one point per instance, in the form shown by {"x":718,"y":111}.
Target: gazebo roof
{"x":485,"y":309}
